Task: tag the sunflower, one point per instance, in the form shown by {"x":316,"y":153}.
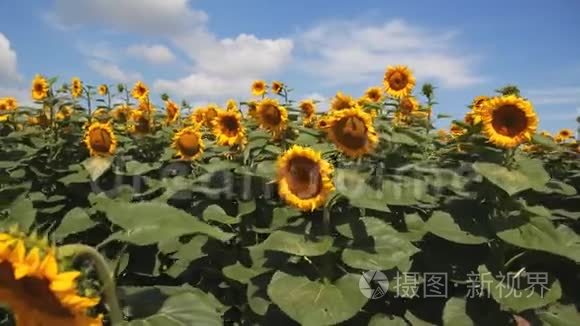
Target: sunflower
{"x":478,"y":102}
{"x":456,"y":130}
{"x":211,"y":112}
{"x":188,"y":143}
{"x":228,"y":129}
{"x":141,"y":122}
{"x":408,"y":105}
{"x":76,"y":87}
{"x":272,"y":116}
{"x":121,"y":113}
{"x":102,"y":115}
{"x":469,"y":118}
{"x":64,"y":113}
{"x":39,"y":88}
{"x":399,"y":81}
{"x":140,"y":91}
{"x":508,"y":120}
{"x":341,"y":102}
{"x":171,"y":112}
{"x":374,"y":94}
{"x":41,"y":120}
{"x":443,"y":135}
{"x":253,"y":109}
{"x":100,"y":139}
{"x":3,"y":110}
{"x":258,"y":88}
{"x":277,"y":87}
{"x":352,"y":131}
{"x":232,"y":105}
{"x":35,"y":288}
{"x":103,"y":90}
{"x":198,"y":115}
{"x":566,"y":133}
{"x":10,"y":102}
{"x":304,"y":178}
{"x":308,"y":108}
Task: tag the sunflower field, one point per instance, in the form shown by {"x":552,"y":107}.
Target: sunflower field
{"x":118,"y":208}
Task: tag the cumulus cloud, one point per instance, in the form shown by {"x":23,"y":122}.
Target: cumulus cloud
{"x":559,"y":95}
{"x":112,"y":71}
{"x":204,"y":86}
{"x":143,"y":16}
{"x":354,"y":52}
{"x":8,"y":67}
{"x":156,"y":53}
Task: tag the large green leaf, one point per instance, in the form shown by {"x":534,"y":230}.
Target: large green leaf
{"x":217,"y":214}
{"x":517,"y":300}
{"x":529,"y":173}
{"x":540,"y":234}
{"x":385,"y":320}
{"x":21,"y":212}
{"x":454,"y":313}
{"x":313,"y":303}
{"x":296,"y":244}
{"x":75,"y":221}
{"x":242,"y":273}
{"x":444,"y":226}
{"x":138,"y":168}
{"x":383,"y":249}
{"x":187,"y":253}
{"x":560,"y":315}
{"x":151,"y":222}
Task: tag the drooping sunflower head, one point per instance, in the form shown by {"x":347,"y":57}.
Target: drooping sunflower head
{"x":508,"y":120}
{"x":211,"y":112}
{"x":399,"y":81}
{"x":456,"y":130}
{"x":198,"y":116}
{"x":277,"y":87}
{"x":121,"y":113}
{"x":100,"y":139}
{"x":35,"y":287}
{"x":408,"y":105}
{"x":228,"y":128}
{"x":272,"y":116}
{"x":341,"y":102}
{"x":188,"y":143}
{"x":258,"y":88}
{"x":39,"y":88}
{"x":232,"y":105}
{"x":565,"y":133}
{"x":171,"y":112}
{"x":374,"y":94}
{"x":308,"y":107}
{"x":140,"y":91}
{"x":76,"y":87}
{"x":10,"y":103}
{"x":103,"y":89}
{"x":352,"y":131}
{"x":304,"y":178}
{"x":141,"y":122}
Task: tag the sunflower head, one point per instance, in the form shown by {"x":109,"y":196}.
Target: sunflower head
{"x":141,"y":123}
{"x":76,"y":87}
{"x":103,"y":90}
{"x":171,"y":112}
{"x":188,"y":143}
{"x":304,"y":178}
{"x":140,"y":91}
{"x":36,"y":288}
{"x":508,"y":120}
{"x":374,"y":94}
{"x":352,"y":131}
{"x":308,"y":107}
{"x":232,"y":105}
{"x":408,"y":105}
{"x":3,"y":106}
{"x":121,"y":113}
{"x":101,"y":115}
{"x":8,"y":104}
{"x":211,"y":112}
{"x":443,"y":135}
{"x":456,"y":130}
{"x":228,"y":129}
{"x":64,"y":113}
{"x":342,"y":102}
{"x":198,"y":116}
{"x":277,"y":87}
{"x":478,"y":102}
{"x":39,"y":89}
{"x":258,"y":88}
{"x":566,"y":133}
{"x":272,"y":116}
{"x":253,"y":109}
{"x":399,"y":81}
{"x":100,"y":139}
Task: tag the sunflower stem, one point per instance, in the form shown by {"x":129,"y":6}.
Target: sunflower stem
{"x":80,"y":252}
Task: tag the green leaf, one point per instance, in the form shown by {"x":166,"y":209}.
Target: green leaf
{"x":557,"y":187}
{"x":97,"y":166}
{"x":21,"y":212}
{"x":258,"y":302}
{"x":313,"y":303}
{"x":385,"y":320}
{"x":219,"y":165}
{"x":266,"y":170}
{"x":540,"y":234}
{"x":243,"y":274}
{"x":352,"y":185}
{"x":560,"y":315}
{"x":415,"y":321}
{"x":187,"y":253}
{"x":80,"y":176}
{"x":405,"y":191}
{"x":217,"y":214}
{"x":444,"y":226}
{"x":415,"y":227}
{"x":454,"y":313}
{"x":520,"y":299}
{"x":246,"y":207}
{"x":75,"y":221}
{"x":138,"y":168}
{"x":386,"y":248}
{"x":511,"y":181}
{"x":296,"y":244}
{"x":306,"y":139}
{"x":147,"y":223}
{"x":193,"y":307}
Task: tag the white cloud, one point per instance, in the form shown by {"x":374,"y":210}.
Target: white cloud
{"x":143,"y":16}
{"x":353,"y":52}
{"x":560,"y":95}
{"x":156,"y":54}
{"x":98,"y":50}
{"x":205,"y":87}
{"x":112,"y":72}
{"x":8,"y":67}
{"x":21,"y":94}
{"x":323,"y":101}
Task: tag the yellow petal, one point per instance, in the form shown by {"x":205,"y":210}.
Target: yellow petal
{"x":49,"y":267}
{"x":64,"y":282}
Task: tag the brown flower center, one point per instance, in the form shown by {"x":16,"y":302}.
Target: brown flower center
{"x":351,"y":132}
{"x":188,"y":144}
{"x":271,"y":115}
{"x":303,"y":177}
{"x":374,"y":95}
{"x":34,"y":292}
{"x":509,"y":120}
{"x":38,"y":87}
{"x":230,"y":125}
{"x":398,"y":80}
{"x":100,"y":140}
{"x":407,"y":106}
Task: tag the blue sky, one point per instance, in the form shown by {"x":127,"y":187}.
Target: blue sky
{"x":206,"y":50}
